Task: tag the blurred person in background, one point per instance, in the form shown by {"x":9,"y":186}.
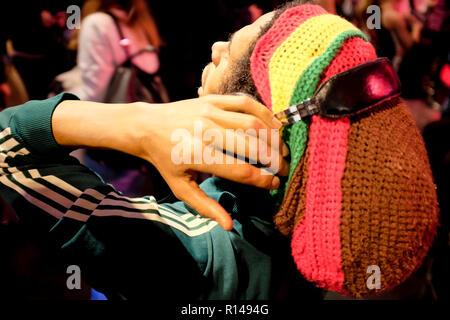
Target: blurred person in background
{"x":417,"y":73}
{"x":114,"y":33}
{"x":101,"y":49}
{"x":399,"y":30}
{"x":425,"y":76}
{"x":36,"y":30}
{"x":420,"y":69}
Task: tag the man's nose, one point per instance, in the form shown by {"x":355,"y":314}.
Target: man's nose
{"x":217,"y":49}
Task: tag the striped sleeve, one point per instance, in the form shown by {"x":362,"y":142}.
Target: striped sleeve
{"x":94,"y":224}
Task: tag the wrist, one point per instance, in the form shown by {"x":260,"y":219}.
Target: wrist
{"x":135,"y":127}
{"x":116,"y":126}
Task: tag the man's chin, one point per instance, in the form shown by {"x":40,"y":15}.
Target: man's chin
{"x":200,"y":91}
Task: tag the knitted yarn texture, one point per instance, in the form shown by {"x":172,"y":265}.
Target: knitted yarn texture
{"x":360,"y":190}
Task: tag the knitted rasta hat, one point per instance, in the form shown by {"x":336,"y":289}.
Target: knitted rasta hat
{"x":360,"y":191}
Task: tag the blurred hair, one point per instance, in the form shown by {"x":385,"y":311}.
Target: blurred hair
{"x":139,"y":17}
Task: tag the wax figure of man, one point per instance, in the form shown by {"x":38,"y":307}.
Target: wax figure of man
{"x":358,"y":192}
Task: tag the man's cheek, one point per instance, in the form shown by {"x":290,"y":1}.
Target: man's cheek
{"x":212,"y":83}
{"x":211,"y":80}
{"x":223,"y":79}
{"x":205,"y":73}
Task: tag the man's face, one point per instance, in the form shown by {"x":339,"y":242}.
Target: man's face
{"x":225,"y":54}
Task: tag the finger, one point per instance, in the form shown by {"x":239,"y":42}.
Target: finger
{"x":190,"y":192}
{"x":229,"y":143}
{"x":251,"y":125}
{"x":239,"y":171}
{"x":233,"y":116}
{"x":245,"y":104}
{"x":247,"y":145}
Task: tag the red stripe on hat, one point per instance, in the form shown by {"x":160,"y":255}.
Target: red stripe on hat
{"x":354,"y":52}
{"x":316,"y":242}
{"x":266,"y":46}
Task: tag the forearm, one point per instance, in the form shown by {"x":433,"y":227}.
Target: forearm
{"x":96,"y":125}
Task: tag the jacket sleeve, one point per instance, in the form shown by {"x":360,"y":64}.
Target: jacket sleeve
{"x":125,"y":247}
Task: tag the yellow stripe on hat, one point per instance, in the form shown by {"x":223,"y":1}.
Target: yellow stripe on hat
{"x":298,"y":51}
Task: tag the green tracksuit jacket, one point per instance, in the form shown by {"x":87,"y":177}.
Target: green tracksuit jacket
{"x":136,"y":247}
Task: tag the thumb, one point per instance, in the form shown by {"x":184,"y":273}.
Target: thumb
{"x":190,"y":192}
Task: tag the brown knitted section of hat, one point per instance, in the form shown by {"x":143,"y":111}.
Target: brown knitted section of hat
{"x":292,"y":208}
{"x":389,"y":209}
